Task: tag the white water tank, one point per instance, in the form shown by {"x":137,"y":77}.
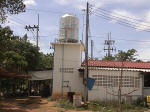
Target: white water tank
{"x":68,"y":29}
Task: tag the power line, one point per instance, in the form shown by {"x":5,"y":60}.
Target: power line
{"x":126,"y":22}
{"x":124,"y":39}
{"x":116,"y":17}
{"x":121,"y":22}
{"x":138,"y":20}
{"x":110,"y":17}
{"x":47,"y":11}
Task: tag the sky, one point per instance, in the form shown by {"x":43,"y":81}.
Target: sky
{"x":125,"y":37}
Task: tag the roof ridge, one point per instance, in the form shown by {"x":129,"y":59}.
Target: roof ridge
{"x":119,"y":61}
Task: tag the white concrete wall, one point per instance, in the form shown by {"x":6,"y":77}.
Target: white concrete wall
{"x":72,"y":59}
{"x":102,"y":93}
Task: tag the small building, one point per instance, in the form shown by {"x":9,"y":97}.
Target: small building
{"x":107,"y":75}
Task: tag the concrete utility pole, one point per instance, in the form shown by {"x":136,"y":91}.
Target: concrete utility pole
{"x":92,"y":45}
{"x":109,"y":44}
{"x":86,"y":50}
{"x":28,"y":27}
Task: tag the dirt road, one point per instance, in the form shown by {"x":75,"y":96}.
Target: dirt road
{"x":28,"y":105}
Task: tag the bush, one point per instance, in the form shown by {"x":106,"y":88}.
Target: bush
{"x":51,"y":98}
{"x":64,"y":103}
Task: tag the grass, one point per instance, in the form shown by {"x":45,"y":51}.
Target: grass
{"x":51,"y":98}
{"x":113,"y":107}
{"x":64,"y":103}
{"x":100,"y":106}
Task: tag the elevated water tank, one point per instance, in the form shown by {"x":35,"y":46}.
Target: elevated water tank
{"x":68,"y":29}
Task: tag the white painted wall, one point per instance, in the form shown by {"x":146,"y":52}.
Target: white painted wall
{"x":101,"y":92}
{"x":72,"y":59}
{"x":41,"y":75}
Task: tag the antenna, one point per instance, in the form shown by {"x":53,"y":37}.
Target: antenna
{"x":109,"y":46}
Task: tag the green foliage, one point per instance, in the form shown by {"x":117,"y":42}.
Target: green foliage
{"x":11,"y":7}
{"x":111,"y":107}
{"x":51,"y":98}
{"x":64,"y":103}
{"x":17,"y":54}
{"x":10,"y":86}
{"x":123,"y":56}
{"x":126,"y":56}
{"x":14,"y":62}
{"x":45,"y":61}
{"x":109,"y":58}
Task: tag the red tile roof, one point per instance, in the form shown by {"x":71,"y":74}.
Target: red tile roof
{"x":117,"y":64}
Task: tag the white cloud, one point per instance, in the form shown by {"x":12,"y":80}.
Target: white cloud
{"x":144,"y":53}
{"x":62,"y":2}
{"x":135,"y":3}
{"x":81,"y":3}
{"x":33,"y":42}
{"x":29,"y":2}
{"x":145,"y":25}
{"x":118,"y":14}
{"x":130,"y":18}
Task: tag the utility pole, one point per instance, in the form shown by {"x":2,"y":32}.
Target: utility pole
{"x":109,"y":44}
{"x":92,"y":45}
{"x":37,"y":33}
{"x":120,"y":88}
{"x":28,"y":28}
{"x":86,"y":51}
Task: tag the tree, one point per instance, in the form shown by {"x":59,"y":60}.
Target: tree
{"x":123,"y":56}
{"x":17,"y":54}
{"x":14,"y":62}
{"x":109,"y":58}
{"x":126,"y":56}
{"x":46,"y":61}
{"x":11,"y":7}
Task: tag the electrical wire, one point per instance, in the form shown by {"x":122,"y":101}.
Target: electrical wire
{"x":47,"y":11}
{"x":126,"y":22}
{"x":120,"y":18}
{"x":109,"y":17}
{"x":138,"y":20}
{"x":121,"y":22}
{"x":124,"y":39}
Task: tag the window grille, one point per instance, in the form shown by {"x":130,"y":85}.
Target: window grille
{"x":113,"y":81}
{"x":67,"y":70}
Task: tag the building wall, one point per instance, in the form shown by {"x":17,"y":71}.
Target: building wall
{"x":108,"y":91}
{"x":41,"y":75}
{"x":67,"y":58}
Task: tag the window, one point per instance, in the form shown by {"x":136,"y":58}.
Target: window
{"x":147,"y":80}
{"x":66,"y":70}
{"x":113,"y":81}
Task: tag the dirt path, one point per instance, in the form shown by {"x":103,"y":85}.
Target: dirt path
{"x":28,"y":105}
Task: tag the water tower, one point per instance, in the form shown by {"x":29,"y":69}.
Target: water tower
{"x":67,"y":58}
{"x":68,"y":29}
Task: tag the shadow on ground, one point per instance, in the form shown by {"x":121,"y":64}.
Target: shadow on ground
{"x":19,"y":105}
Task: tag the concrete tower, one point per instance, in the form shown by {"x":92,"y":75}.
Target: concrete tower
{"x":67,"y":58}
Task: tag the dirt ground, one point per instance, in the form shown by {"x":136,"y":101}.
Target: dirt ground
{"x":30,"y":105}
